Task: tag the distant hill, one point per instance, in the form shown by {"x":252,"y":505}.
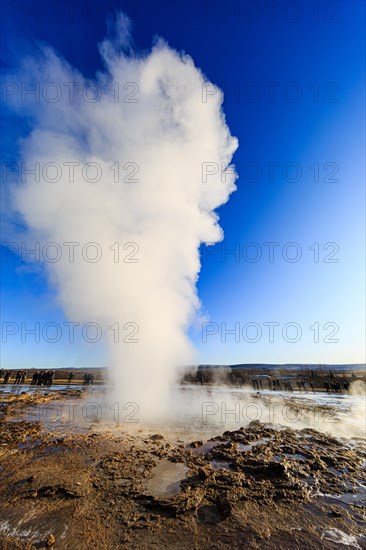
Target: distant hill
{"x":290,"y":366}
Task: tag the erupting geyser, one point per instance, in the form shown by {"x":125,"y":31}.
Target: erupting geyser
{"x":122,"y":164}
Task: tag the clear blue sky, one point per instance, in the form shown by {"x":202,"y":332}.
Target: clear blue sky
{"x":294,"y":90}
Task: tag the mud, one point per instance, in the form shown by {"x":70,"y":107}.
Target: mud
{"x":255,"y":487}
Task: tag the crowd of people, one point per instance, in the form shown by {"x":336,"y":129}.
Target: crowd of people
{"x":289,"y":384}
{"x":43,"y":378}
{"x":88,"y":379}
{"x":19,"y":379}
{"x":261,"y":382}
{"x":337,"y":387}
{"x":39,"y":377}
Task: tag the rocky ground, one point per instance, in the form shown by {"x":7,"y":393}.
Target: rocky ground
{"x":256,"y":487}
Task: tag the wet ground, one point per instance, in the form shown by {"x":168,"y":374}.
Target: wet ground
{"x":87,"y":485}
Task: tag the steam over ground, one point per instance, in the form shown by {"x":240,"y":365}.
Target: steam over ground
{"x":121,"y":164}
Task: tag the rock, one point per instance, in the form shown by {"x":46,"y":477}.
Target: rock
{"x":51,"y":540}
{"x":123,"y":482}
{"x":212,"y":514}
{"x":336,"y":513}
{"x":317,"y":465}
{"x":254,"y":424}
{"x":204,"y":472}
{"x":223,"y":506}
{"x":47,"y":491}
{"x":156,"y":437}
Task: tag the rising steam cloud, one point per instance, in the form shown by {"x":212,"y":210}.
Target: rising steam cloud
{"x":148,"y":133}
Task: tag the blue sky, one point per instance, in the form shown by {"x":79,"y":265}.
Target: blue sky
{"x":294,"y":90}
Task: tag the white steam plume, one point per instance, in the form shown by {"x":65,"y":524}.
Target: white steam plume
{"x":161,"y":124}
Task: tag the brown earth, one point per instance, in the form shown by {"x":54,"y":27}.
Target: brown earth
{"x":256,"y":487}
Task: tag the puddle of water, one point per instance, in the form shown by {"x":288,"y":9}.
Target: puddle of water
{"x":26,"y":388}
{"x":249,"y":446}
{"x":29,"y":444}
{"x":205,"y":448}
{"x":167,"y":477}
{"x":48,"y":451}
{"x":220,"y":464}
{"x":14,"y":531}
{"x":357,"y":498}
{"x":340,"y":537}
{"x":43,"y":449}
{"x":352,"y":498}
{"x":296,"y":455}
{"x":242,"y":447}
{"x":334,"y":471}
